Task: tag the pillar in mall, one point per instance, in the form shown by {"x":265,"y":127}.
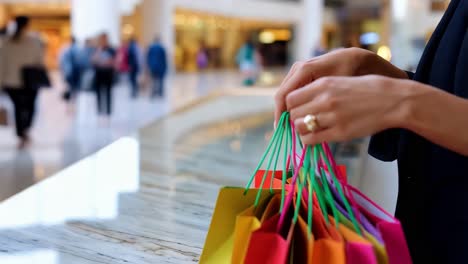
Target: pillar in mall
{"x":308,"y":31}
{"x":157,"y":17}
{"x":91,"y":17}
{"x":157,"y":21}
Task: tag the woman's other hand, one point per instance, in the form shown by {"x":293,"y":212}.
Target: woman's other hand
{"x":342,"y":62}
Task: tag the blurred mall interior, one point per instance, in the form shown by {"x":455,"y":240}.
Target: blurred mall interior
{"x":88,"y":186}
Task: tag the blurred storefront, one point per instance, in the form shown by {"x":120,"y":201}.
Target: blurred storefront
{"x":222,"y":37}
{"x":283,"y":31}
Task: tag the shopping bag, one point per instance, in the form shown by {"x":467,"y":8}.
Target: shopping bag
{"x":271,"y":243}
{"x":247,"y":222}
{"x":358,"y":249}
{"x":302,"y":247}
{"x":220,"y":239}
{"x":272,"y":208}
{"x":278,"y":176}
{"x":389,"y":227}
{"x":35,"y":77}
{"x":269,"y":246}
{"x":329,"y":246}
{"x":275,"y":183}
{"x":373,"y":236}
{"x":371,"y":233}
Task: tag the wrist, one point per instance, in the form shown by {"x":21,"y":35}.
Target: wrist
{"x":363,"y":59}
{"x":371,"y":63}
{"x":405,"y":113}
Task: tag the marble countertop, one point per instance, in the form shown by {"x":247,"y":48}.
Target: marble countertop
{"x":147,"y":198}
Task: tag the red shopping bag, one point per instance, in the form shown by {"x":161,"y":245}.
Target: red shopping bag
{"x":277,"y":179}
{"x":271,"y":243}
{"x":278,"y":176}
{"x":269,"y":246}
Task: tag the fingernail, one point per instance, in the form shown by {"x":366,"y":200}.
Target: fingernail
{"x":274,"y":125}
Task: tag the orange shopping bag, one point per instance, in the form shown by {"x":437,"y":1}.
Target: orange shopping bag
{"x":329,"y":246}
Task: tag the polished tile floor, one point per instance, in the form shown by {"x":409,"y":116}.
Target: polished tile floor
{"x":61,"y":138}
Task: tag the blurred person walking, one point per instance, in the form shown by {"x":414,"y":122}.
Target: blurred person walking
{"x":103,"y":61}
{"x":157,"y":64}
{"x":71,"y":65}
{"x":203,"y":60}
{"x":87,"y":79}
{"x":134,"y":66}
{"x":18,"y":52}
{"x":121,"y":58}
{"x":247,"y":59}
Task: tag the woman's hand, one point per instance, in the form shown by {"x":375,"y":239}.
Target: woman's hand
{"x":349,"y":107}
{"x":343,"y":62}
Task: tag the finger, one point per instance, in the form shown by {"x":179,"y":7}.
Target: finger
{"x":310,"y":108}
{"x":324,"y":121}
{"x":290,"y":73}
{"x":309,"y":92}
{"x":326,"y":135}
{"x":282,"y":92}
{"x":279,"y":109}
{"x":301,"y":76}
{"x":317,"y":105}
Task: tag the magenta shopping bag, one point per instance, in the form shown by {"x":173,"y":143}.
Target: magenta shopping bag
{"x":388,"y":226}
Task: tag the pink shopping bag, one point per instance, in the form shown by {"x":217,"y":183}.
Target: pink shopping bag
{"x":389,"y":227}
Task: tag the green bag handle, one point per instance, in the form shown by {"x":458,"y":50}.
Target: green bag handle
{"x":296,"y":181}
{"x":276,"y":150}
{"x":339,"y":188}
{"x":319,"y":190}
{"x":288,"y":149}
{"x":327,"y":195}
{"x":276,"y":143}
{"x":262,"y":160}
{"x":311,"y":188}
{"x":321,"y":187}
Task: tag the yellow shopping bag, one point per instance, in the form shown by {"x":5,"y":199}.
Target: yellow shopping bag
{"x":219,"y":242}
{"x":247,"y":222}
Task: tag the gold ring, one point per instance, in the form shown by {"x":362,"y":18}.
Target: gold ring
{"x":311,"y":122}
